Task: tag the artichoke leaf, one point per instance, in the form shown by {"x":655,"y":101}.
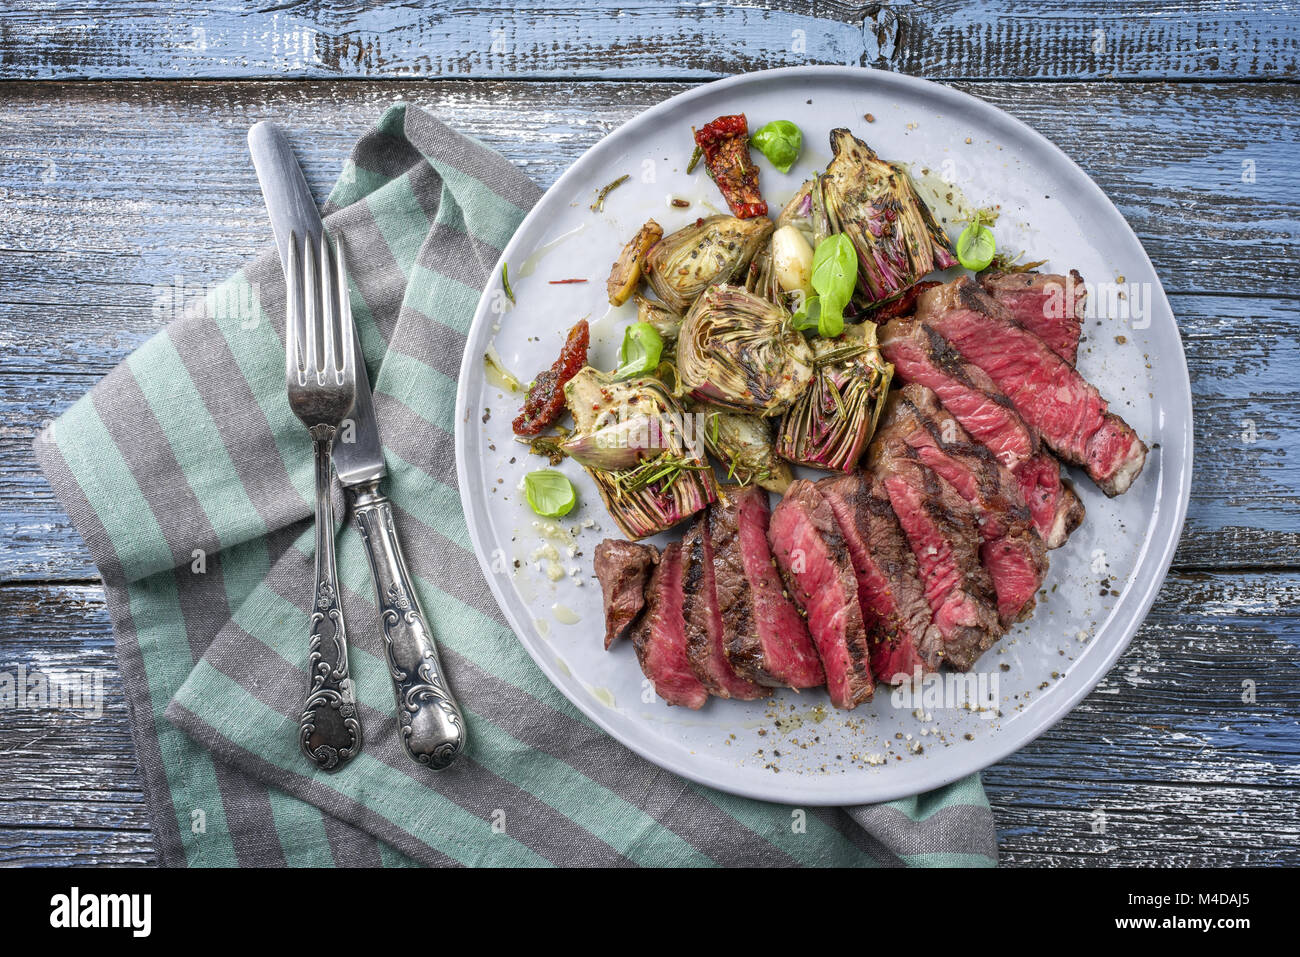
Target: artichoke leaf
{"x":666,"y":322}
{"x":745,"y":446}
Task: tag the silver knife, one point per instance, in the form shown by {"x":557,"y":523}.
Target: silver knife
{"x":433,"y":727}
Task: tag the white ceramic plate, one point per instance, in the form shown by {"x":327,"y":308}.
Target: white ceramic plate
{"x":795,"y":748}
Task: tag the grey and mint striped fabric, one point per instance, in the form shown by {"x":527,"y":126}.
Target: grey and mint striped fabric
{"x":190,"y":480}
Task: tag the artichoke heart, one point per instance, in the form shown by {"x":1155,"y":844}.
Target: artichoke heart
{"x":876,"y":205}
{"x":640,"y":449}
{"x":830,"y":424}
{"x":745,"y":447}
{"x":713,"y":250}
{"x":737,"y":350}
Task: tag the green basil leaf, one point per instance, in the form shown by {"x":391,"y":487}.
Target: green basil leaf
{"x":831,"y":321}
{"x":807,"y":316}
{"x":640,"y":352}
{"x":975,"y":246}
{"x":834,"y":277}
{"x":550,"y":493}
{"x":780,"y":141}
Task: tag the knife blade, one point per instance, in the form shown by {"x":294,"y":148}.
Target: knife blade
{"x":433,"y":727}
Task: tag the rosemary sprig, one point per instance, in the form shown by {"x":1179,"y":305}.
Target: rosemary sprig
{"x":605,"y":190}
{"x":666,"y":466}
{"x":1004,"y":263}
{"x":505,"y":283}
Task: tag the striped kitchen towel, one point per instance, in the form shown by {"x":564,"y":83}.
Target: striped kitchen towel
{"x":190,"y":481}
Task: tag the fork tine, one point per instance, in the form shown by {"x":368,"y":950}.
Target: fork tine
{"x":293,"y":317}
{"x":312,"y":312}
{"x":347,"y":329}
{"x":329,"y":311}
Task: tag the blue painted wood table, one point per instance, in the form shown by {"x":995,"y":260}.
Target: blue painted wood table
{"x":124,"y":172}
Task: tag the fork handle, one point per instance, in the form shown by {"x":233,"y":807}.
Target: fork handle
{"x":330,"y":729}
{"x":433,"y":728}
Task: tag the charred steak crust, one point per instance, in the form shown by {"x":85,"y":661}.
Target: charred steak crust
{"x":659,"y":636}
{"x":765,"y":638}
{"x":623,"y":569}
{"x":1063,"y":408}
{"x":815,"y":564}
{"x":705,"y":628}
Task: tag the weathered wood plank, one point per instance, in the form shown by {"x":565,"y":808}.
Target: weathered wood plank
{"x":1053,"y":39}
{"x":58,"y":847}
{"x":1165,"y":746}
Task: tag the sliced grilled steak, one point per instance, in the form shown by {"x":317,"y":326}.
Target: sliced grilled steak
{"x":943,"y":530}
{"x":659,"y":636}
{"x":623,"y":568}
{"x":1052,"y":500}
{"x":1067,"y":412}
{"x":890,"y":594}
{"x":765,"y":637}
{"x":705,"y":640}
{"x":1050,"y":306}
{"x":815,"y":564}
{"x":919,"y":355}
{"x":1011,"y":549}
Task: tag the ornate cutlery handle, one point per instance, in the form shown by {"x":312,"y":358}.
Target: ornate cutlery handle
{"x":330,"y":728}
{"x":433,"y":728}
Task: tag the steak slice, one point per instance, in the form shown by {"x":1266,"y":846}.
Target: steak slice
{"x":623,"y":569}
{"x":1048,"y":305}
{"x":893,"y":603}
{"x":659,"y":636}
{"x":705,"y":638}
{"x":920,"y":355}
{"x":765,"y":637}
{"x":1067,"y":412}
{"x":942,"y":529}
{"x":1052,"y":500}
{"x":1011,"y":549}
{"x":814,"y":562}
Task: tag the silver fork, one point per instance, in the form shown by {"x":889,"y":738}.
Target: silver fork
{"x":320,"y":369}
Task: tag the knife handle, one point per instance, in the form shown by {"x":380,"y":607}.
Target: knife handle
{"x":433,"y":728}
{"x":329,"y":730}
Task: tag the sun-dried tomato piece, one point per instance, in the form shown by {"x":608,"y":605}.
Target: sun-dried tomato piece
{"x":725,"y":143}
{"x":545,"y":400}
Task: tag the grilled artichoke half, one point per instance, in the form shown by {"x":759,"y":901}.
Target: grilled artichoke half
{"x":713,"y":250}
{"x":876,"y":205}
{"x":831,"y":422}
{"x":745,"y":447}
{"x":737,"y":350}
{"x":636,"y":444}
